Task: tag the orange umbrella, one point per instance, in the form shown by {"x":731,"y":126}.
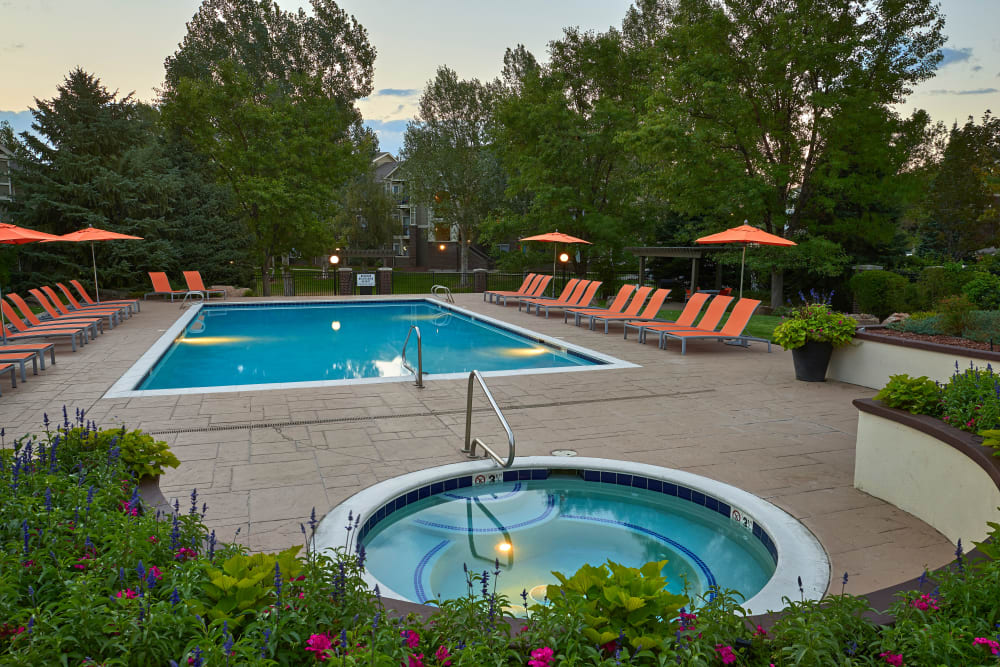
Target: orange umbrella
{"x":93,"y":234}
{"x":555,"y":237}
{"x":746,"y":235}
{"x":12,"y":234}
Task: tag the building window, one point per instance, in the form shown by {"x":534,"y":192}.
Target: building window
{"x":503,"y":247}
{"x":395,"y":189}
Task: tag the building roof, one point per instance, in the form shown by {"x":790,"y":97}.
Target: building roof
{"x":384,"y":171}
{"x":674,"y":251}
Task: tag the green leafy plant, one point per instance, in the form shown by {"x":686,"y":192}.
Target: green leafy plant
{"x":143,"y":454}
{"x":971,"y":399}
{"x":815,"y":323}
{"x":920,"y":395}
{"x":622,"y":601}
{"x":880,"y":293}
{"x":984,"y":291}
{"x":956,"y":311}
{"x":991,"y":438}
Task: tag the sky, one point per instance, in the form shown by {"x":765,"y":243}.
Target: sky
{"x":124,"y":43}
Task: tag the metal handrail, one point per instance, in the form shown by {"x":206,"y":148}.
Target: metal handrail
{"x":420,"y":356}
{"x":201,"y":296}
{"x":470,"y":442}
{"x":438,"y":290}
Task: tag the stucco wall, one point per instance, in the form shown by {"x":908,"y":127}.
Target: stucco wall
{"x":869,"y":363}
{"x":925,"y":477}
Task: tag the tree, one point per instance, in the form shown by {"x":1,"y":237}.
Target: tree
{"x":447,"y":158}
{"x":754,"y":94}
{"x":366,"y":220}
{"x":268,"y":97}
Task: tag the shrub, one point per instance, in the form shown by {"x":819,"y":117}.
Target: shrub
{"x":956,"y":313}
{"x":880,"y":293}
{"x":920,"y":396}
{"x":937,"y":282}
{"x":923,"y":322}
{"x":816,"y":323}
{"x":983,"y":326}
{"x":971,"y":399}
{"x":984,"y":291}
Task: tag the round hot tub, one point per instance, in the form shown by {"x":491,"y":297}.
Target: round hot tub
{"x":422,"y":530}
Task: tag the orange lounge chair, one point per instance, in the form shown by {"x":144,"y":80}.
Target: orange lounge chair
{"x":685,"y":319}
{"x":529,"y":281}
{"x":23,"y":331}
{"x":648,"y":313}
{"x":536,"y":290}
{"x":616,"y":306}
{"x":9,"y":368}
{"x":584,"y":295}
{"x":713,"y":315}
{"x":630,"y":311}
{"x":194,"y":283}
{"x":38,"y":349}
{"x":161,"y":285}
{"x":77,"y":308}
{"x":731,"y":331}
{"x":56,"y":320}
{"x":131,"y":303}
{"x":50,"y":301}
{"x":21,"y":359}
{"x":567,"y":291}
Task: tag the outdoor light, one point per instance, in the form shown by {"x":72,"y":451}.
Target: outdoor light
{"x":564,"y":258}
{"x":334,"y":259}
{"x":335,"y":325}
{"x":504,"y":546}
{"x":441,"y":247}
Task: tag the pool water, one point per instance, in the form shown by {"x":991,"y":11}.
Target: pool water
{"x":561,"y":523}
{"x":278,"y":343}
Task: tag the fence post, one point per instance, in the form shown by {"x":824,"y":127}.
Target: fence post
{"x":479,"y":280}
{"x":288,"y":280}
{"x":383,"y":280}
{"x":346,"y":274}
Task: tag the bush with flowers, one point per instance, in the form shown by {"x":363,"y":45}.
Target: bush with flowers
{"x":90,"y":575}
{"x":815,"y":322}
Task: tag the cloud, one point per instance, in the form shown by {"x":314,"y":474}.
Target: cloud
{"x":389,"y":133}
{"x":19,"y":120}
{"x":952,"y":56}
{"x":974,"y":91}
{"x":397,"y":92}
{"x":13,"y":46}
{"x":977,"y":68}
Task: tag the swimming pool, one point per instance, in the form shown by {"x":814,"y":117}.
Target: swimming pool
{"x":421,"y":530}
{"x":298,"y":344}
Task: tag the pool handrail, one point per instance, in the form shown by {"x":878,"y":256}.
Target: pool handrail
{"x":419,"y":372}
{"x":470,"y":442}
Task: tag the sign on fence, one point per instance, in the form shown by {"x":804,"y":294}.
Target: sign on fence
{"x":366,"y":280}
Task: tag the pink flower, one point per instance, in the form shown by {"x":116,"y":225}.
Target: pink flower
{"x":185,"y":554}
{"x":894,"y":659}
{"x":319,"y":644}
{"x":153,"y":539}
{"x":540,"y":657}
{"x":128,"y":594}
{"x":994,"y":646}
{"x":416,"y":660}
{"x":760,"y":632}
{"x":726,"y":653}
{"x":155,"y":571}
{"x":925,"y":602}
{"x":411,"y":638}
{"x":442,"y":655}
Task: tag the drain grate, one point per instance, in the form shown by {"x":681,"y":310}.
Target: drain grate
{"x":247,"y":426}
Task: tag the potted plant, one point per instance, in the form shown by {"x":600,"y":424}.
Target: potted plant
{"x":811,"y":332}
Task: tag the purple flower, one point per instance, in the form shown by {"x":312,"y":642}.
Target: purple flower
{"x":277,"y":579}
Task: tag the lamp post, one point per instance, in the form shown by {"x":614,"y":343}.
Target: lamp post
{"x":563,"y":259}
{"x":334,"y":261}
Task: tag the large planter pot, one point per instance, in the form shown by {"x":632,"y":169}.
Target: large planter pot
{"x":811,"y":361}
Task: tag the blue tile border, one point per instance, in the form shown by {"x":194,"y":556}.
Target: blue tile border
{"x":599,"y":476}
{"x":418,"y":573}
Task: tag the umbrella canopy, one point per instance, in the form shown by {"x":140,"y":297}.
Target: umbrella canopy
{"x":555,"y":237}
{"x":12,"y":234}
{"x":93,"y":234}
{"x":746,"y":235}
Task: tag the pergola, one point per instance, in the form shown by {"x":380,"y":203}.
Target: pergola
{"x":694,"y":253}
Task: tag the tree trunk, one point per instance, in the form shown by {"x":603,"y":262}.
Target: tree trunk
{"x":464,"y":254}
{"x":265,"y":272}
{"x":777,"y":288}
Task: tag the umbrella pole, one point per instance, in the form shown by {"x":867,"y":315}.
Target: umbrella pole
{"x":93,"y":258}
{"x":555,"y":248}
{"x":743,"y":261}
{"x":3,"y":319}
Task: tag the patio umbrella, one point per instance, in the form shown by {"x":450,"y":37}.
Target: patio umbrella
{"x":555,"y":237}
{"x":14,"y":235}
{"x":745,"y":235}
{"x":93,"y":234}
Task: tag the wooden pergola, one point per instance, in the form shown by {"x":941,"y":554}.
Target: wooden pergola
{"x":695,"y":254}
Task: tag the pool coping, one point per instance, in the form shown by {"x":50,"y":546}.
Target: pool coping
{"x":799,"y":552}
{"x":124,"y":387}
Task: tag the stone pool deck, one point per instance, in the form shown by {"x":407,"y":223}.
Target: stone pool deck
{"x":262,"y":460}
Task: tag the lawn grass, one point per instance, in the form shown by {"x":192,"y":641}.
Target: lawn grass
{"x":760,"y":326}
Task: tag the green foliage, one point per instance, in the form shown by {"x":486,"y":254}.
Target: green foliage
{"x":984,"y":291}
{"x":880,"y":293}
{"x":971,"y":399}
{"x":991,"y":438}
{"x":983,"y":326}
{"x":956,"y":313}
{"x":621,"y":600}
{"x":921,"y":396}
{"x":243,"y":585}
{"x":937,"y":282}
{"x":816,"y":323}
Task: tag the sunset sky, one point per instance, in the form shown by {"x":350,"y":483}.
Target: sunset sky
{"x":124,"y":42}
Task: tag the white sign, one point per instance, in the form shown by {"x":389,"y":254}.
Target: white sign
{"x":366,"y":280}
{"x":490,"y":478}
{"x":742,"y":519}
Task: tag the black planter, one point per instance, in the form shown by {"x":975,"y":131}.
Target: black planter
{"x":811,"y":361}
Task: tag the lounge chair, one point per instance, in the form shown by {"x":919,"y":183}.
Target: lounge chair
{"x":713,"y":315}
{"x":131,"y":303}
{"x":616,"y":306}
{"x":685,"y":319}
{"x":57,"y":319}
{"x":529,"y":281}
{"x":82,"y":308}
{"x":628,"y":312}
{"x":21,"y":359}
{"x":567,"y":291}
{"x":23,"y":331}
{"x":648,"y":313}
{"x":120,"y":312}
{"x":38,"y":349}
{"x":50,"y":301}
{"x":536,"y":290}
{"x":194,"y":283}
{"x":731,"y":331}
{"x":583,"y":297}
{"x":161,"y":286}
{"x":9,"y":368}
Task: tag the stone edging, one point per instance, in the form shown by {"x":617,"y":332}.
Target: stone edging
{"x":863,"y":334}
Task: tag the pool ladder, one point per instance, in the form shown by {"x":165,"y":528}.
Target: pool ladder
{"x":184,"y":301}
{"x":443,"y":293}
{"x":470,"y":442}
{"x":419,"y":372}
